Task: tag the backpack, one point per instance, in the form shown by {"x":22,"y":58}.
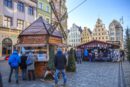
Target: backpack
{"x":14,"y":63}
{"x":29,"y":62}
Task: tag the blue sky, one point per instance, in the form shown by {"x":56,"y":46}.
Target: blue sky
{"x":107,"y":10}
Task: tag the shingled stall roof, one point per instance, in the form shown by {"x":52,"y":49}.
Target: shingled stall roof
{"x":97,"y":43}
{"x":40,"y":27}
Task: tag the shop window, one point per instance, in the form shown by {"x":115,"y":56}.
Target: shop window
{"x":6,"y":46}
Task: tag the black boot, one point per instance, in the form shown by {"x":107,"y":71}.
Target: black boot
{"x":17,"y":81}
{"x":9,"y":80}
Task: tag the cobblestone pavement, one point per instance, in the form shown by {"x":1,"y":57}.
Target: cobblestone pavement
{"x":126,"y":69}
{"x":95,"y":74}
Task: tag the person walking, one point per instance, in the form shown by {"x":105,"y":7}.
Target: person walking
{"x":78,"y":55}
{"x":85,"y":54}
{"x":1,"y":83}
{"x":66,"y":55}
{"x":90,"y":57}
{"x":30,"y":66}
{"x":14,"y":61}
{"x":23,"y":65}
{"x":60,"y":64}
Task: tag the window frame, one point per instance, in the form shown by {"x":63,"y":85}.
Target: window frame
{"x":40,"y":5}
{"x":30,"y":10}
{"x":8,"y":21}
{"x":20,"y":22}
{"x":47,"y":9}
{"x":21,"y":6}
{"x":8,"y":3}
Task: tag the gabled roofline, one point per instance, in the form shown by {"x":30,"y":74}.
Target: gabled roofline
{"x":32,"y":24}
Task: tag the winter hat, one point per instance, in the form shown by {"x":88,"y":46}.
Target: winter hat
{"x":59,"y":49}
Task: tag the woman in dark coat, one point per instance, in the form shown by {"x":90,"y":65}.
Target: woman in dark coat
{"x":23,"y":66}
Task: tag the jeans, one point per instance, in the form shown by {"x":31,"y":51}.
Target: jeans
{"x":31,"y":75}
{"x":90,"y":58}
{"x":16,"y":73}
{"x":24,"y":74}
{"x":63,"y":75}
{"x":79,"y":60}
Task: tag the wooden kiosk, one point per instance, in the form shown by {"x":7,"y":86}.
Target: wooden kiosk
{"x":37,"y":38}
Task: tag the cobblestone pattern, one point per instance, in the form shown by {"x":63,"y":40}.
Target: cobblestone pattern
{"x":88,"y":75}
{"x":126,"y":69}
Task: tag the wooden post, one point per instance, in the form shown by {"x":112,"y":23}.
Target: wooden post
{"x":48,"y":52}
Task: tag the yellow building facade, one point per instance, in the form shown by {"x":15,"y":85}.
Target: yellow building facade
{"x":86,"y":35}
{"x":100,"y":32}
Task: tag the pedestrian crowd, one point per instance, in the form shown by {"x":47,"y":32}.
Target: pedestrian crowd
{"x":96,"y":54}
{"x":26,"y":64}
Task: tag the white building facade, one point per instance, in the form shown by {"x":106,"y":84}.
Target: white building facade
{"x":116,"y":33}
{"x":74,"y":35}
{"x":15,"y":15}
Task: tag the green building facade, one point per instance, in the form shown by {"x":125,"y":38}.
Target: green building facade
{"x":44,"y":10}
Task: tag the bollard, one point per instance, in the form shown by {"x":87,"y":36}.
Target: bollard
{"x":1,"y":84}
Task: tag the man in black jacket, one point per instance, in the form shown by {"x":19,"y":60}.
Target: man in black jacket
{"x":23,"y":65}
{"x":60,"y":64}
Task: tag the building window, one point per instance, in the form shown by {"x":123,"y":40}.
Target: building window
{"x":30,"y":10}
{"x":112,"y":38}
{"x":112,"y":33}
{"x":20,"y":24}
{"x":8,"y":3}
{"x":118,"y":38}
{"x":20,"y":6}
{"x":8,"y":21}
{"x":47,"y":19}
{"x":40,"y":5}
{"x":47,"y":8}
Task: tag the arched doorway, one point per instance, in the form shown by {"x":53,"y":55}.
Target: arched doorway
{"x":6,"y":46}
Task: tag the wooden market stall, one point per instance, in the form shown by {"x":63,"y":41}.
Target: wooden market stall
{"x":100,"y":50}
{"x":37,"y":38}
{"x":96,"y":43}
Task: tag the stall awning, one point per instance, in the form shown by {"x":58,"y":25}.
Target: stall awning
{"x":31,"y":45}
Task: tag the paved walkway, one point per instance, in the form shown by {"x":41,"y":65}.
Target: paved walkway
{"x":126,"y":69}
{"x":96,"y":74}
